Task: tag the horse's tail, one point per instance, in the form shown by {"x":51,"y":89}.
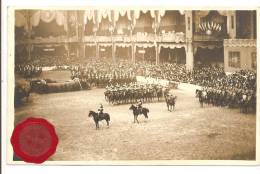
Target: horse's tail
{"x":147,"y":110}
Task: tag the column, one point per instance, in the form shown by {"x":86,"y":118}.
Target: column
{"x":157,"y":54}
{"x":68,"y":50}
{"x":97,"y":50}
{"x":252,"y":25}
{"x":189,"y":47}
{"x":231,"y":24}
{"x":133,"y":52}
{"x":83,"y":48}
{"x":113,"y":52}
{"x":189,"y":56}
{"x":132,"y":46}
{"x":29,"y":34}
{"x":29,"y":51}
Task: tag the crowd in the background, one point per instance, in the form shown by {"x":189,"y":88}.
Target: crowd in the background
{"x":102,"y":73}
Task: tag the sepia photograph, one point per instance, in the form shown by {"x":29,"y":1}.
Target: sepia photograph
{"x":123,"y":85}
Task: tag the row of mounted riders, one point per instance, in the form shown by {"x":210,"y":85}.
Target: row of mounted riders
{"x":124,"y":94}
{"x":245,"y":101}
{"x":28,"y":71}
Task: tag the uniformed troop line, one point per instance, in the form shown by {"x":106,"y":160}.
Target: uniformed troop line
{"x":133,"y":92}
{"x":28,"y":71}
{"x":235,"y":98}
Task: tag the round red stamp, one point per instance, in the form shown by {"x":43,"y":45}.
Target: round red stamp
{"x":34,"y":140}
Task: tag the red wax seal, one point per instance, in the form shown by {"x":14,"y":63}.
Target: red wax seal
{"x":34,"y":140}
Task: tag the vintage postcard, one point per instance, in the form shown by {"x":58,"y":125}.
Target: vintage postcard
{"x":132,"y":86}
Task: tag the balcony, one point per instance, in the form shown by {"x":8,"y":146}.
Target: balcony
{"x":240,"y":42}
{"x":204,"y":37}
{"x":170,"y":37}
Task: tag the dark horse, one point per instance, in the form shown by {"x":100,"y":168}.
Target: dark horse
{"x":170,"y":101}
{"x":20,"y":93}
{"x":137,"y":111}
{"x":97,"y":118}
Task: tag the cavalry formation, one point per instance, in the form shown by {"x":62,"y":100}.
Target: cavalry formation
{"x":245,"y":100}
{"x":236,"y":90}
{"x":130,"y":93}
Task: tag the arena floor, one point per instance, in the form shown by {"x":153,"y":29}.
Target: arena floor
{"x":188,"y":133}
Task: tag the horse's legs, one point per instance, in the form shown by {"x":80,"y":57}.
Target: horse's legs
{"x":137,"y":120}
{"x":96,"y":125}
{"x":107,"y":123}
{"x":134,"y":118}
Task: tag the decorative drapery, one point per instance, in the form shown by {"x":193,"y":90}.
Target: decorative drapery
{"x":206,"y":46}
{"x":148,"y":45}
{"x":173,"y":37}
{"x":202,"y":13}
{"x":171,"y":46}
{"x":105,"y":44}
{"x":122,"y":45}
{"x":90,"y":45}
{"x":48,"y":16}
{"x":223,"y":13}
{"x":240,"y":42}
{"x":20,"y":20}
{"x":132,"y":15}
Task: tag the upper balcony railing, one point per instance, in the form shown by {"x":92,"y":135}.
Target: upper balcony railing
{"x":240,"y":42}
{"x":206,"y":37}
{"x":139,"y":37}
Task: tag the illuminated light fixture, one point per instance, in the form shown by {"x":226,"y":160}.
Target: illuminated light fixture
{"x":209,"y":27}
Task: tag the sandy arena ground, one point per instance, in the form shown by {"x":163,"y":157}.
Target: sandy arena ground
{"x":188,"y":133}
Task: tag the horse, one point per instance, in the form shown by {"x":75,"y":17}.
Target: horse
{"x":97,"y":118}
{"x":22,"y":91}
{"x":170,"y":101}
{"x":137,"y":111}
{"x":202,"y":97}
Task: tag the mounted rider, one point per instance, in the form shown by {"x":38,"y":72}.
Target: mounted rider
{"x":139,"y":105}
{"x":100,"y":110}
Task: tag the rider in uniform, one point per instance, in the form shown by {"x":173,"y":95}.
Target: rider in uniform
{"x":139,"y":105}
{"x":100,"y":110}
